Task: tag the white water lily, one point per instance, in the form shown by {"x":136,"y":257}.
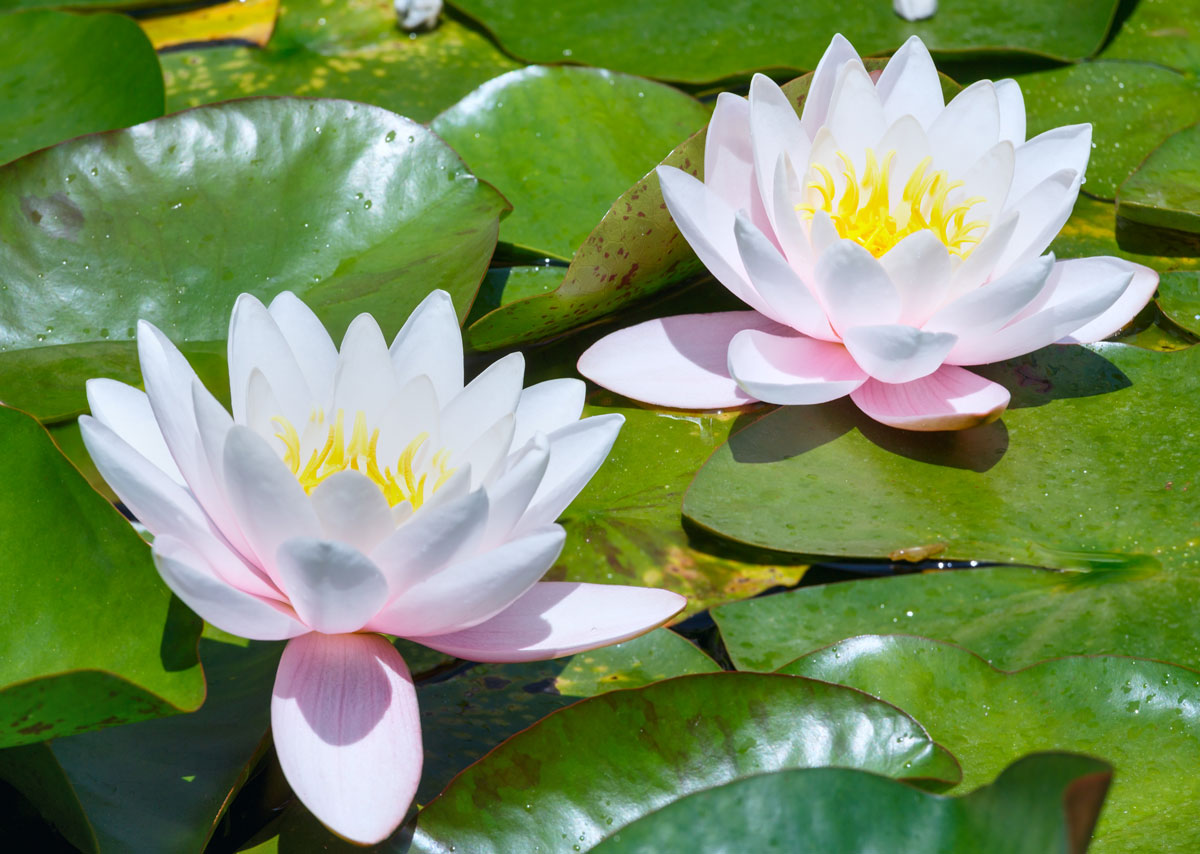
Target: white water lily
{"x":914,"y":10}
{"x":418,"y":14}
{"x":884,"y":240}
{"x":360,"y":492}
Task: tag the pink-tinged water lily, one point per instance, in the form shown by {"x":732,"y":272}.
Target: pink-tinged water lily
{"x":884,"y":240}
{"x":354,"y":493}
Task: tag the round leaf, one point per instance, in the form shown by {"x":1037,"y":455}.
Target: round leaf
{"x":585,"y":772}
{"x":1159,"y":31}
{"x":1158,"y":206}
{"x":1142,"y":716}
{"x":89,"y":635}
{"x":1179,"y":299}
{"x":65,"y":75}
{"x":350,"y":206}
{"x":562,"y":143}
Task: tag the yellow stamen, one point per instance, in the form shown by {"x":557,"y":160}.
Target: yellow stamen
{"x":358,"y":452}
{"x":864,"y":212}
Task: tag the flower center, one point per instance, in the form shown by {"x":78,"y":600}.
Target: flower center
{"x":864,"y":212}
{"x":356,"y":451}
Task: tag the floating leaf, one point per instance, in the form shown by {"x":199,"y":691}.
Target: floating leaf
{"x":702,"y":41}
{"x":1142,"y":716}
{"x":1090,"y":231}
{"x":1132,"y":106}
{"x":350,"y":206}
{"x":249,"y":22}
{"x":562,"y":143}
{"x":1159,"y":31}
{"x":64,"y":75}
{"x":650,"y":658}
{"x":1179,"y":299}
{"x":583,"y":773}
{"x":89,"y":635}
{"x":1043,"y":804}
{"x":1158,"y":206}
{"x":342,"y":49}
{"x":1046,"y":486}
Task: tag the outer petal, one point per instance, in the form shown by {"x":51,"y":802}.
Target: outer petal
{"x":546,"y":406}
{"x":431,"y":539}
{"x":825,"y":76}
{"x":949,"y":399}
{"x":333,"y":587}
{"x":576,"y":452}
{"x":774,"y":133}
{"x":469,"y":592}
{"x":556,"y":618}
{"x":986,"y":309}
{"x":678,"y":362}
{"x":256,"y":343}
{"x":193,"y":580}
{"x":788,"y":296}
{"x":348,"y":733}
{"x":792,"y":369}
{"x":489,"y":397}
{"x":909,"y":85}
{"x":510,"y":494}
{"x":430,"y":344}
{"x":365,"y":379}
{"x":855,"y":113}
{"x":310,"y":344}
{"x":968,"y":127}
{"x":729,"y":159}
{"x":898,"y":353}
{"x":1141,"y":288}
{"x":126,"y":411}
{"x":854,"y":287}
{"x":1067,"y":147}
{"x":1043,"y":212}
{"x":1012,"y":111}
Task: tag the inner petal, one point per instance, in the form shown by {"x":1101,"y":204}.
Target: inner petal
{"x":859,"y":205}
{"x":327,"y":446}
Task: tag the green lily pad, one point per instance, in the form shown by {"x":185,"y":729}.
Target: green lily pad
{"x":1043,"y":804}
{"x":1179,"y":299}
{"x":1132,"y":106}
{"x":1158,"y":206}
{"x":1142,"y":716}
{"x":1091,"y":231}
{"x":341,"y":49}
{"x":502,"y":285}
{"x":1160,"y":31}
{"x":1045,"y":486}
{"x":34,"y":775}
{"x":162,"y":785}
{"x":695,"y":42}
{"x":584,"y":773}
{"x":634,"y":252}
{"x":353,"y":208}
{"x":562,"y":143}
{"x":651,"y":658}
{"x":89,"y":635}
{"x":66,"y":75}
{"x":86,"y":5}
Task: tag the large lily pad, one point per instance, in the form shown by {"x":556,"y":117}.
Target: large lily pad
{"x":1132,"y":106}
{"x":631,"y":752}
{"x":1044,"y":804}
{"x":249,"y":22}
{"x":1160,"y":202}
{"x":1091,"y":230}
{"x":64,"y":75}
{"x":702,"y":40}
{"x":1046,"y":486}
{"x":1142,"y":716}
{"x":634,"y":252}
{"x":562,"y":143}
{"x":342,"y":49}
{"x":350,"y":206}
{"x":1159,"y":31}
{"x":89,"y":635}
{"x":1179,"y":299}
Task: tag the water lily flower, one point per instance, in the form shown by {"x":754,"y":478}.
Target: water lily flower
{"x":914,"y":10}
{"x":884,"y":240}
{"x":359,"y":492}
{"x":414,"y":15}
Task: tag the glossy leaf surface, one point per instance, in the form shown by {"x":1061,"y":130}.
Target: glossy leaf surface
{"x":1141,"y":716}
{"x":1164,"y":193}
{"x":1179,"y":298}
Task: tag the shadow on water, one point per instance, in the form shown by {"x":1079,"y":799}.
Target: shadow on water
{"x":1053,"y":373}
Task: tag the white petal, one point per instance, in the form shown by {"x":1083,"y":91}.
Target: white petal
{"x":352,"y":510}
{"x":788,"y":296}
{"x":510,"y":494}
{"x":990,"y":177}
{"x":990,"y":307}
{"x":966,"y":128}
{"x":792,"y":369}
{"x":729,"y":158}
{"x":1012,"y":111}
{"x":919,"y":268}
{"x":1134,"y":298}
{"x":948,"y":399}
{"x":855,"y":113}
{"x":897,"y":353}
{"x":365,"y":380}
{"x":333,"y":587}
{"x":413,"y":411}
{"x":774,"y":133}
{"x":910,"y":85}
{"x":1043,"y":211}
{"x":824,"y":80}
{"x":980,"y":265}
{"x":256,"y":343}
{"x":486,"y":399}
{"x":313,"y":349}
{"x":576,"y":452}
{"x":126,"y":411}
{"x":430,"y":344}
{"x":430,"y":539}
{"x":546,"y":406}
{"x":854,"y":288}
{"x":487,"y":454}
{"x":466,"y":593}
{"x":1067,"y":147}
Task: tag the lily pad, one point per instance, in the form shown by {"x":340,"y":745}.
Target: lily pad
{"x":1160,"y":202}
{"x":1160,"y":31}
{"x":1045,"y":486}
{"x":1142,"y":716}
{"x":651,"y":658}
{"x":562,"y":143}
{"x":1091,"y":231}
{"x":1132,"y":106}
{"x":634,"y":252}
{"x":89,"y":635}
{"x":1179,"y":299}
{"x":65,"y":75}
{"x":249,"y":22}
{"x":632,"y":752}
{"x":350,"y":206}
{"x":695,"y":41}
{"x":1043,"y":804}
{"x":342,"y":49}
